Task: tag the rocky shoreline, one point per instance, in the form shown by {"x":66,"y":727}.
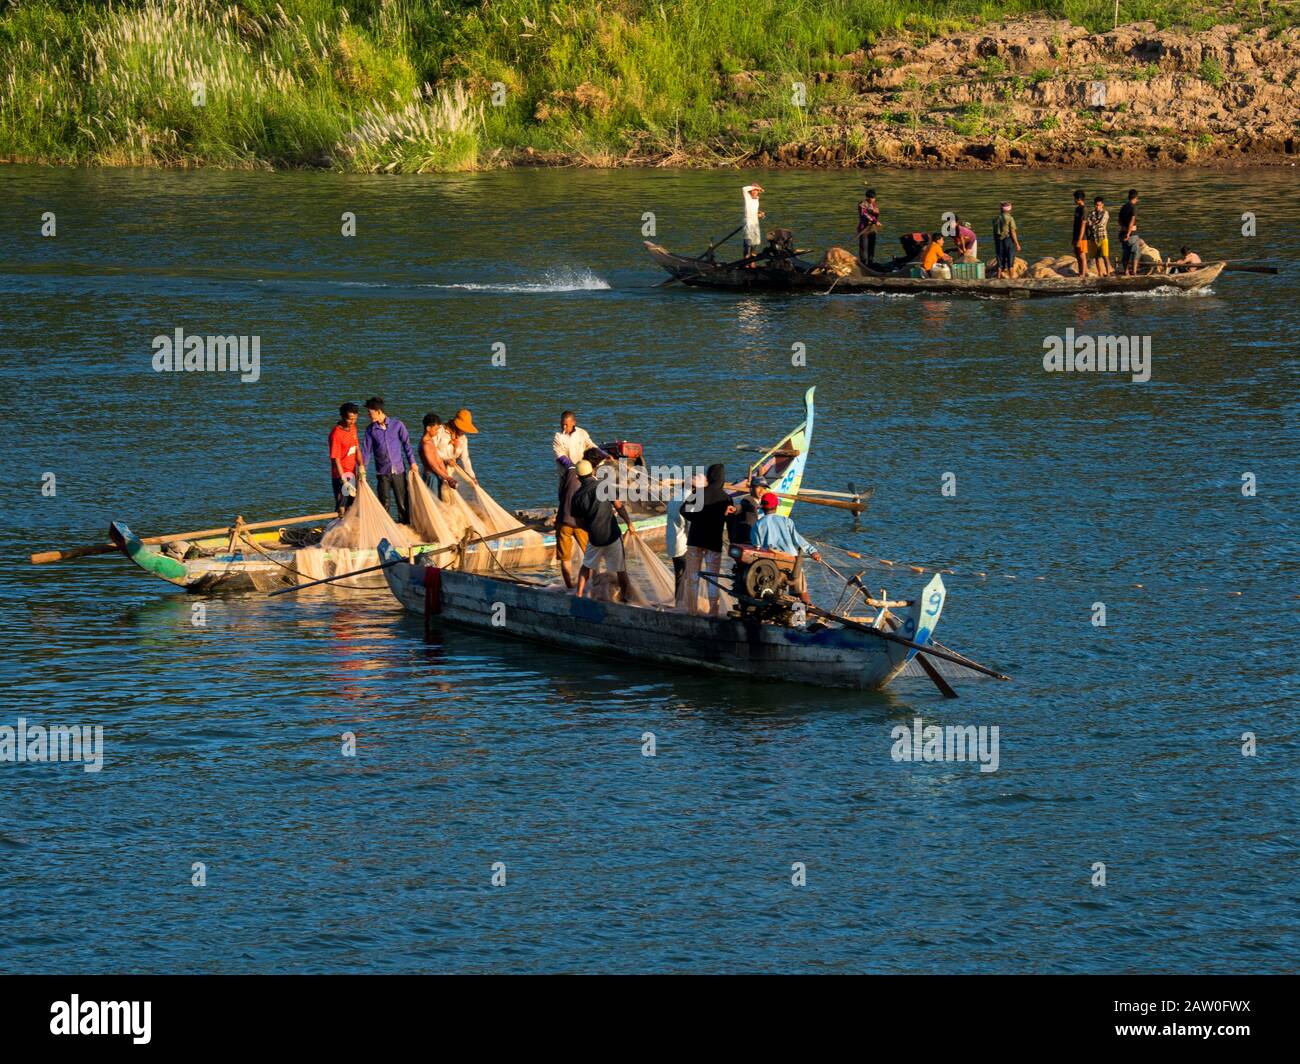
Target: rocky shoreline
{"x":1031,"y":94}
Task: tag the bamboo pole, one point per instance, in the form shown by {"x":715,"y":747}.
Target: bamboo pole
{"x":45,"y":557}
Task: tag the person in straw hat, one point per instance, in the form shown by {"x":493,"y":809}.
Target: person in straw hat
{"x":452,"y":444}
{"x":753,"y":236}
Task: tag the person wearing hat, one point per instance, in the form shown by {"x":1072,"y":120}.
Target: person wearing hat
{"x":453,"y":446}
{"x":753,"y":231}
{"x":706,"y":511}
{"x":868,"y":227}
{"x":1005,"y":238}
{"x":567,"y":531}
{"x":596,"y":514}
{"x":740,"y":525}
{"x":774,"y":532}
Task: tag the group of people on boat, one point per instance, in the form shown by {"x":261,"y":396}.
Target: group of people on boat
{"x":700,"y":522}
{"x":1089,"y":240}
{"x":444,"y":452}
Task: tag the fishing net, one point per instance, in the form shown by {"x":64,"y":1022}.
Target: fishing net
{"x":490,"y":518}
{"x":364,"y":524}
{"x":651,"y":581}
{"x":428,"y":515}
{"x":349,"y":543}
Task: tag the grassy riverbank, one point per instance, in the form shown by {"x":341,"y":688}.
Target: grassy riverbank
{"x":413,"y":85}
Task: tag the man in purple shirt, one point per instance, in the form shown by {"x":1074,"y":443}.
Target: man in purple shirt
{"x":386,"y":438}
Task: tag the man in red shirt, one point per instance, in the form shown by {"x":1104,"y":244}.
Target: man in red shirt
{"x":344,"y":453}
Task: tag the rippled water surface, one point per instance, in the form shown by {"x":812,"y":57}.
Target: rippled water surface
{"x":1119,"y":744}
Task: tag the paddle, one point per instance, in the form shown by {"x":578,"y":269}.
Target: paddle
{"x":1246,"y":267}
{"x":386,"y":565}
{"x":924,"y":648}
{"x":108,"y":548}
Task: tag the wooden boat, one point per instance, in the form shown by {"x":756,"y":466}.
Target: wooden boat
{"x":212,"y":565}
{"x":823,"y":654}
{"x":793,"y":274}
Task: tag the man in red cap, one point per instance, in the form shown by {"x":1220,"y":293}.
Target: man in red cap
{"x":774,"y":532}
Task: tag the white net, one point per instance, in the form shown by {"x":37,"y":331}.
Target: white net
{"x":488,"y":518}
{"x":428,"y":515}
{"x":651,"y":581}
{"x":364,"y":524}
{"x":313,"y":563}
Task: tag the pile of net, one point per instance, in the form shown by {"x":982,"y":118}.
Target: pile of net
{"x":651,"y":581}
{"x":349,"y":543}
{"x":447,"y":517}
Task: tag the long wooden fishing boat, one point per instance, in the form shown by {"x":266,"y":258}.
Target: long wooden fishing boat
{"x":214,"y":565}
{"x":823,"y":653}
{"x":793,"y":274}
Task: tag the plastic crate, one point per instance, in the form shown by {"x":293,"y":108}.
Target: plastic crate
{"x":916,"y":271}
{"x":968,"y":271}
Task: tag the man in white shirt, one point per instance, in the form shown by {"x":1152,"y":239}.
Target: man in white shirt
{"x":675,"y":538}
{"x":753,"y":231}
{"x":451,"y":441}
{"x":571,"y":443}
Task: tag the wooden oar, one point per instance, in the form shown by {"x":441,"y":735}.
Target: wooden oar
{"x":1246,"y":267}
{"x":924,"y":648}
{"x":202,"y":533}
{"x":386,"y":565}
{"x":945,"y":688}
{"x":812,"y":500}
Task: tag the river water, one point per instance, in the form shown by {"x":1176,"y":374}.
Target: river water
{"x":1119,"y":745}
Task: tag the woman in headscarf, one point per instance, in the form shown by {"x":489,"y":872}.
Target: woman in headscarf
{"x":706,"y":511}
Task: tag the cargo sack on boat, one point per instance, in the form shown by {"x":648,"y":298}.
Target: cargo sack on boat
{"x":651,"y":581}
{"x":364,"y":524}
{"x":427,"y":516}
{"x":839,"y":262}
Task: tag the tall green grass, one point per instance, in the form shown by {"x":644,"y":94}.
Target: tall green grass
{"x":377,"y":84}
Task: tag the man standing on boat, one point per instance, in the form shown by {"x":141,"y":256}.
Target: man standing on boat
{"x":567,"y":531}
{"x":571,"y":443}
{"x":1128,"y":233}
{"x":1005,"y":240}
{"x":1079,"y":233}
{"x":706,"y":512}
{"x":753,"y":231}
{"x":387,"y":439}
{"x":868,"y":227}
{"x":452,"y":444}
{"x":740,"y":525}
{"x":435,"y":472}
{"x":774,"y":532}
{"x":594,"y":513}
{"x":344,"y":450}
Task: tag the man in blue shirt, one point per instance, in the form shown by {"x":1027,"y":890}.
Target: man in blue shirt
{"x":387,"y":439}
{"x":774,"y":532}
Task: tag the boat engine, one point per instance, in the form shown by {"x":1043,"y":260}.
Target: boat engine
{"x":762,"y":582}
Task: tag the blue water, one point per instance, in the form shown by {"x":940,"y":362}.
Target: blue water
{"x":1119,"y":744}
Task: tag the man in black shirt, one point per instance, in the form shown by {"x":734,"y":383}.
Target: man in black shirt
{"x":1128,"y":232}
{"x":706,"y":511}
{"x":1079,"y":234}
{"x":740,"y":525}
{"x":567,"y":531}
{"x":593,"y":508}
